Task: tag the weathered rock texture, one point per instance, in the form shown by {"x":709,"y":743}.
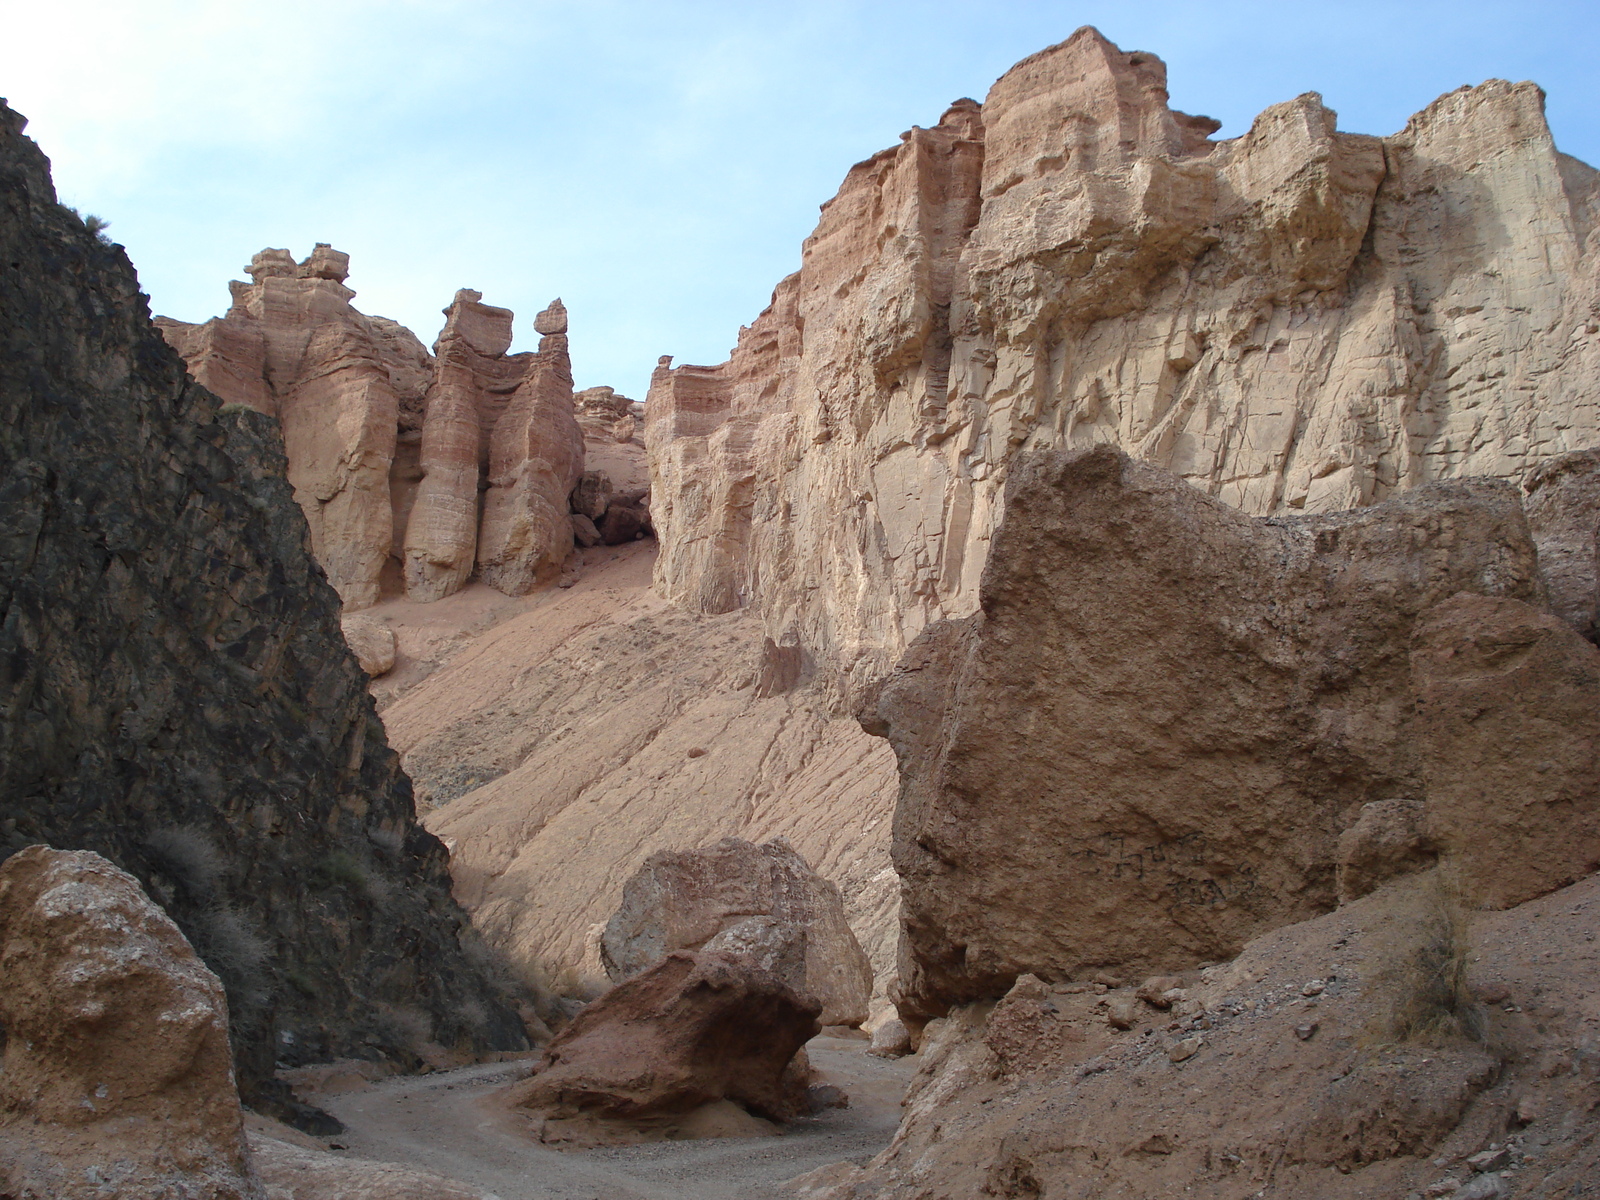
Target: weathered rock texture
{"x":292,"y":346}
{"x":176,"y":694}
{"x":409,"y":466}
{"x":118,"y":1079}
{"x":1296,"y":320}
{"x":695,"y":1028}
{"x":759,"y":900}
{"x":1262,"y":1090}
{"x":566,"y":745}
{"x":1144,"y":748}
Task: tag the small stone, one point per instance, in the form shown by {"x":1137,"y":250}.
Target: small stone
{"x":1489,"y":1160}
{"x":1445,"y":1187}
{"x":1122,"y":1012}
{"x":1107,"y":979}
{"x":1314,"y":988}
{"x":1494,"y":993}
{"x":1186,"y":1049}
{"x":1154,"y":991}
{"x":1307,"y":1031}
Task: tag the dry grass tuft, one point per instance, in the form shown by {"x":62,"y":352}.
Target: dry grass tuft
{"x":1420,"y":981}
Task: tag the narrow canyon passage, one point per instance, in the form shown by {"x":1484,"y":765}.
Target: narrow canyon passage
{"x":448,"y":1124}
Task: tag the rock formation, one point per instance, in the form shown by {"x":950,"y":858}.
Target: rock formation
{"x":118,"y":1079}
{"x":177,"y":695}
{"x":696,"y":1028}
{"x":292,"y":346}
{"x":1144,"y":749}
{"x":759,"y":900}
{"x":1295,"y":320}
{"x":414,"y":470}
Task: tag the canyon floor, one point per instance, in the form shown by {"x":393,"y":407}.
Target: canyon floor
{"x":449,"y":1123}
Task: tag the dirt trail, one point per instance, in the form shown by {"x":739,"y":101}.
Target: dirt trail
{"x":441,"y":1123}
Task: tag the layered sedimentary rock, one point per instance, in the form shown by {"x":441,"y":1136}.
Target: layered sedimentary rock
{"x":414,"y":470}
{"x":760,"y":900}
{"x":118,"y":1079}
{"x":1295,"y":320}
{"x":177,"y":695}
{"x":566,"y":746}
{"x":535,"y":459}
{"x":1145,"y":747}
{"x":292,"y":346}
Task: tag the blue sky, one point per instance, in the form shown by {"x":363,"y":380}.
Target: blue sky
{"x":655,"y":164}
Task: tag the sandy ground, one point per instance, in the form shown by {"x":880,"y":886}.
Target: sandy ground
{"x":448,"y":1124}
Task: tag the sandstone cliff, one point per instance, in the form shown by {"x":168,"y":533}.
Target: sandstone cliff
{"x":415,"y":470}
{"x":1295,"y":320}
{"x":176,"y":693}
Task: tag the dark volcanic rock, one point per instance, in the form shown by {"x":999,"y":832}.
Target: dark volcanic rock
{"x":175,"y":693}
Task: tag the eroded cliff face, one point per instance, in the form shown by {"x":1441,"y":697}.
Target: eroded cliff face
{"x":414,"y":470}
{"x":1296,"y":320}
{"x":176,"y":694}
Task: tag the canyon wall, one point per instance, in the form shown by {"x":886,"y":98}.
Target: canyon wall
{"x":417,"y":471}
{"x":175,"y":692}
{"x":1295,"y":320}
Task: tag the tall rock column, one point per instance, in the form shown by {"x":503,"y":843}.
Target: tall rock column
{"x":292,"y":346}
{"x":535,"y":458}
{"x":473,"y":375}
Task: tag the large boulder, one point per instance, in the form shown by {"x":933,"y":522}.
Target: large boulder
{"x":763,"y":901}
{"x":1145,"y":748}
{"x":695,"y":1029}
{"x":118,"y":1077}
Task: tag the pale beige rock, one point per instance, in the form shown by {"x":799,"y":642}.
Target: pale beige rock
{"x":372,"y":642}
{"x":291,"y":345}
{"x":536,"y":456}
{"x":1296,"y":320}
{"x":118,"y":1077}
{"x":762,"y":901}
{"x":1144,"y":749}
{"x":593,"y":726}
{"x":473,"y":378}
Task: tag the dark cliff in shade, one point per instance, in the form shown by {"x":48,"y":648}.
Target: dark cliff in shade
{"x":174,"y":689}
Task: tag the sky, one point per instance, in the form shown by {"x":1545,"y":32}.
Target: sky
{"x":657,"y":165}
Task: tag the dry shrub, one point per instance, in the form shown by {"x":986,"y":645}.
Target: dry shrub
{"x":405,"y":1025}
{"x":189,"y":857}
{"x":1420,"y":982}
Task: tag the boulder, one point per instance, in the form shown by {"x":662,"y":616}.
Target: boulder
{"x":763,"y":901}
{"x":583,"y":531}
{"x":372,"y":642}
{"x":118,"y":1076}
{"x":891,"y":1039}
{"x":1144,"y":750}
{"x":622,"y":523}
{"x":695,"y":1029}
{"x":592,"y":496}
{"x":1563,"y":504}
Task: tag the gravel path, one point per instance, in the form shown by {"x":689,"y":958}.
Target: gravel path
{"x":441,"y":1123}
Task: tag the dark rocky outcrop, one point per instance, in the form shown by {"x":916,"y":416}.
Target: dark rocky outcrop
{"x":175,"y":693}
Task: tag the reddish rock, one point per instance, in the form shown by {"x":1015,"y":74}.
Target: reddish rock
{"x":535,"y":460}
{"x":696,"y":1028}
